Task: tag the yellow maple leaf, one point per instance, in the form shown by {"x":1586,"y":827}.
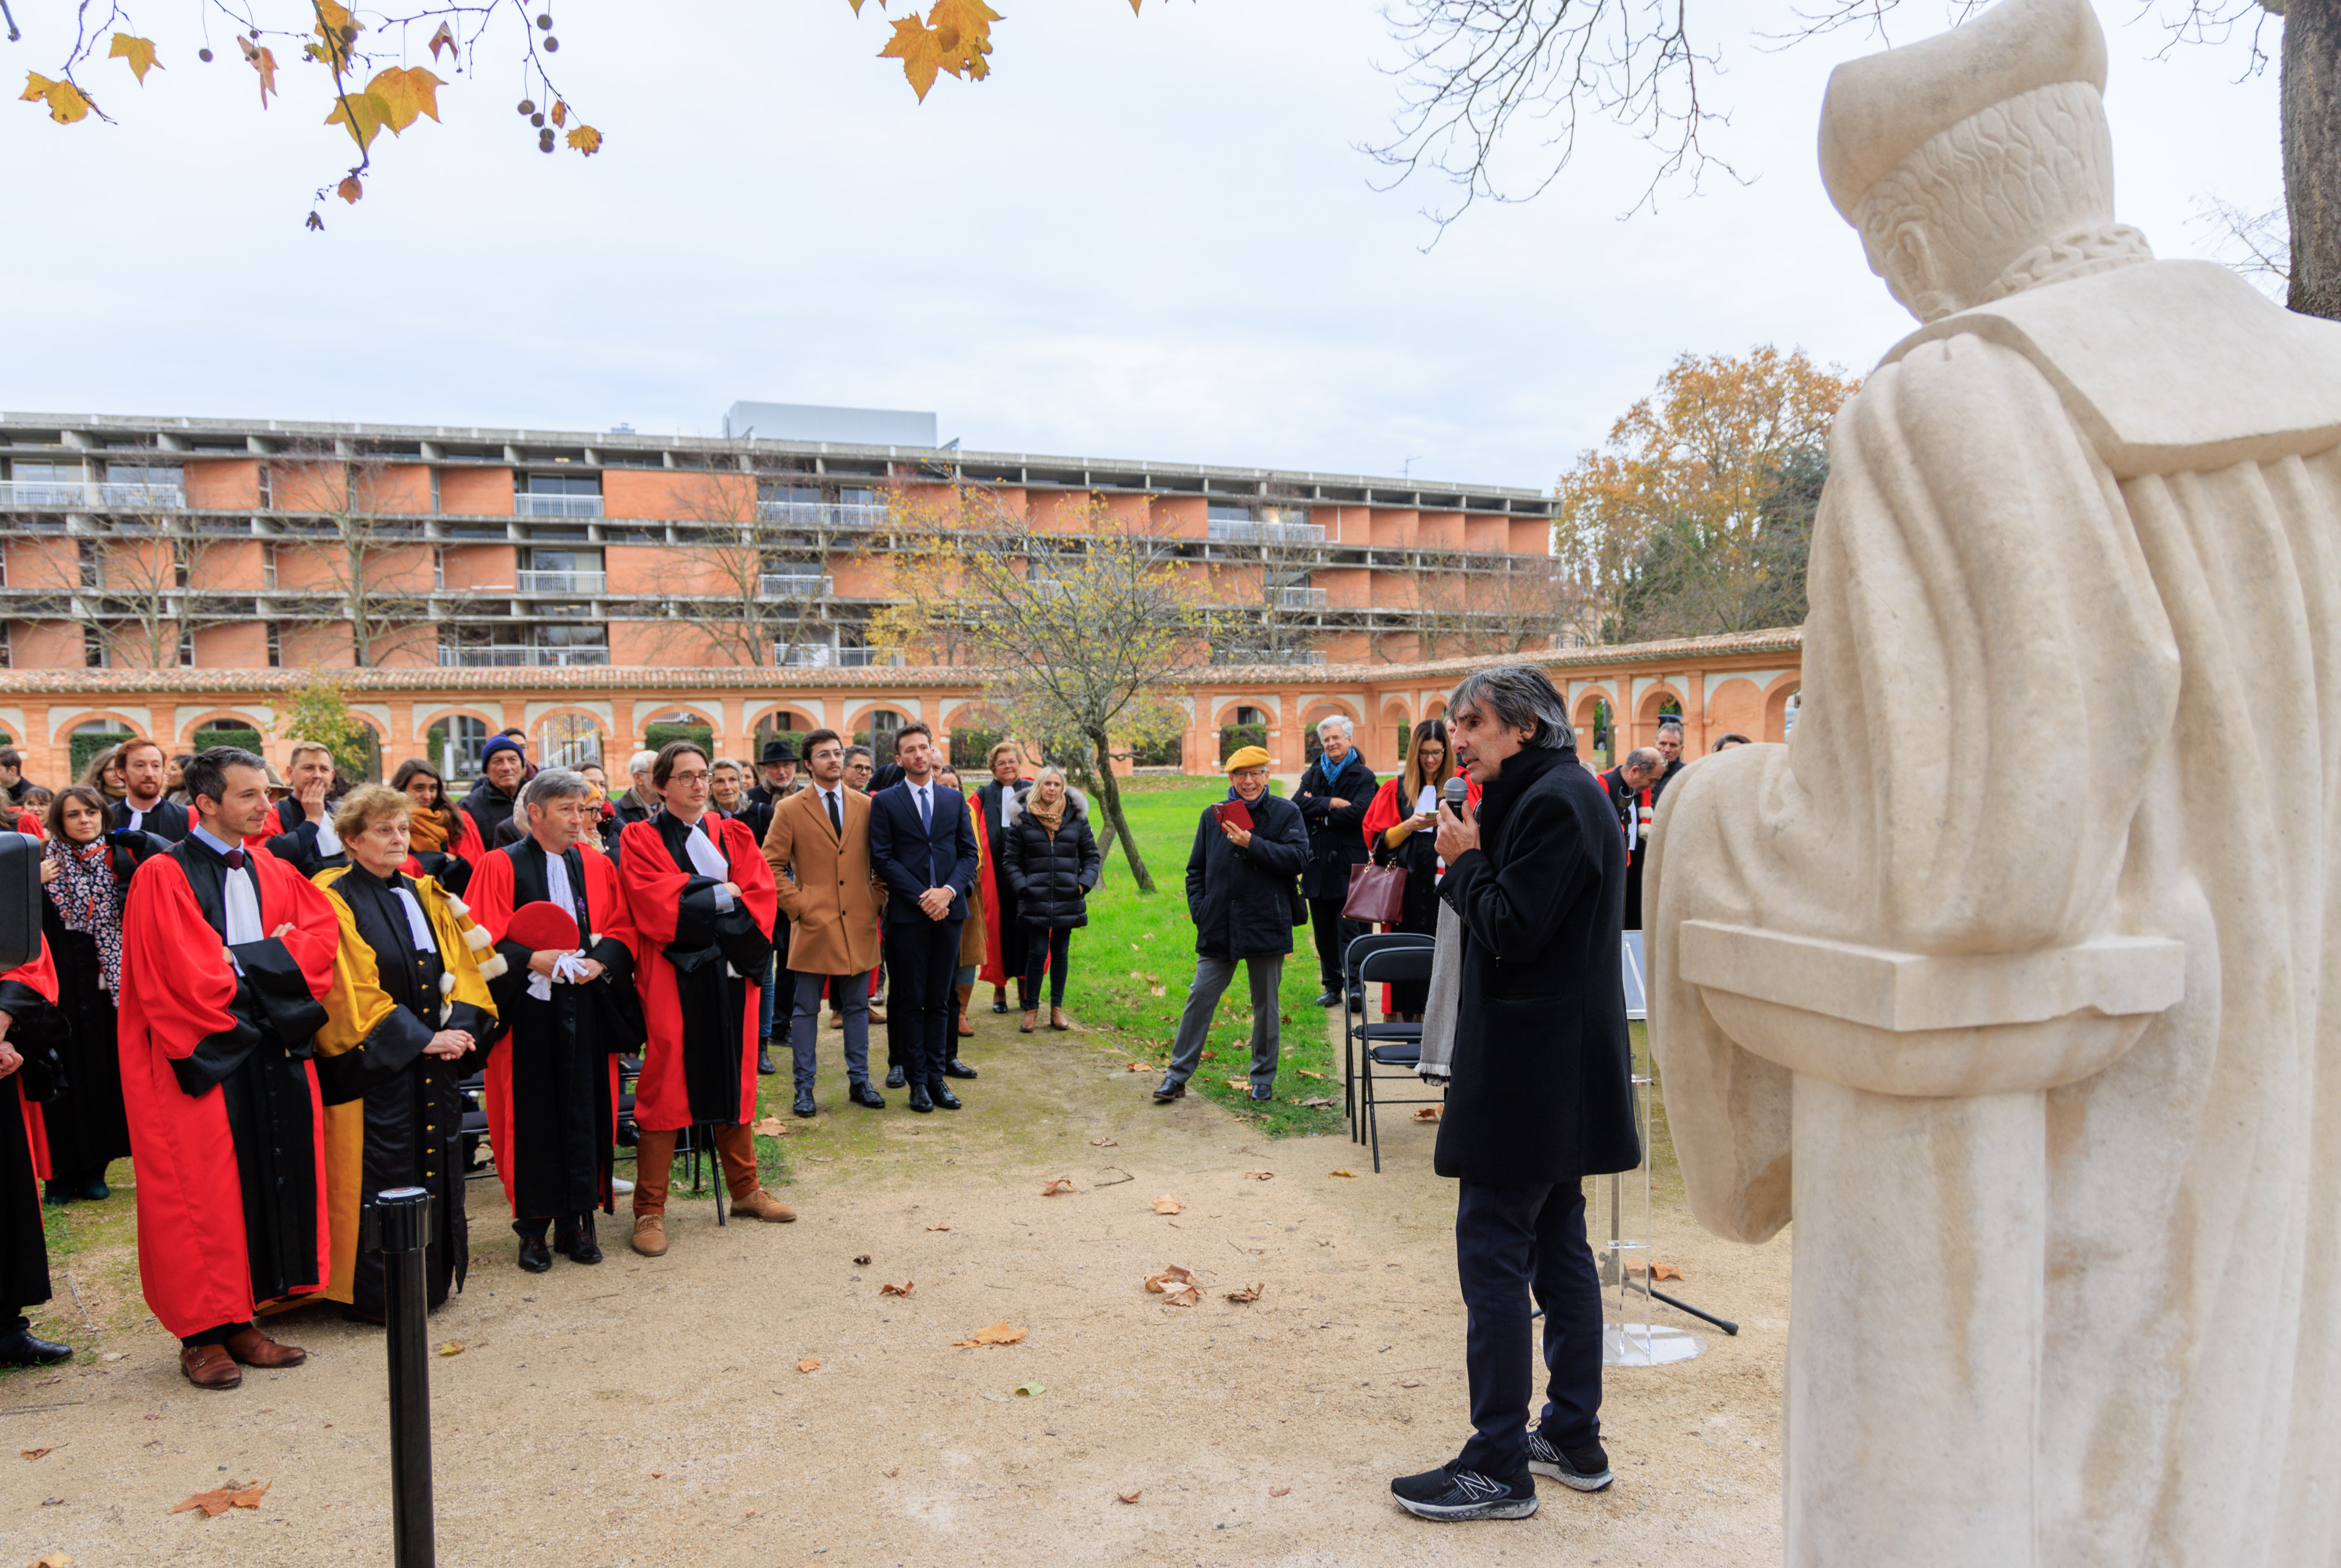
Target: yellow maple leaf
{"x":262,"y":61}
{"x":66,"y":102}
{"x":408,"y":93}
{"x":586,"y":140}
{"x":365,"y":113}
{"x":921,"y":51}
{"x":349,"y":190}
{"x":339,"y":30}
{"x":963,"y":33}
{"x":560,"y":116}
{"x":139,"y":51}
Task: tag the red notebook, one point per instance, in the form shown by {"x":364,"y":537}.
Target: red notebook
{"x":1233,"y":812}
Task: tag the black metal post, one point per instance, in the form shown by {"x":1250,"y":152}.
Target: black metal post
{"x":403,"y":1215}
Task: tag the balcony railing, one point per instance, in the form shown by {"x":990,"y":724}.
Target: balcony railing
{"x":525,"y":504}
{"x":1227,"y":531}
{"x":1267,"y":655}
{"x":795,"y":584}
{"x":807,"y":655}
{"x":1300,"y":599}
{"x":503,"y":658}
{"x":862,"y":658}
{"x":91,"y":493}
{"x":821,"y":514}
{"x":563,"y":581}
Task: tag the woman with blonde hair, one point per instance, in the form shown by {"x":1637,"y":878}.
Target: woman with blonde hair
{"x":1003,"y":931}
{"x":1053,"y":862}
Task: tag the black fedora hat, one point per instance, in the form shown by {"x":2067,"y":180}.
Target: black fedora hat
{"x":777,"y":751}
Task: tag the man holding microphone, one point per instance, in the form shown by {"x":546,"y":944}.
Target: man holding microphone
{"x":1542,"y":1090}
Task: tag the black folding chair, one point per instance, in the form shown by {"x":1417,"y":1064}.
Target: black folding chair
{"x":1355,"y":1011}
{"x":475,"y":1127}
{"x":1390,"y":1045}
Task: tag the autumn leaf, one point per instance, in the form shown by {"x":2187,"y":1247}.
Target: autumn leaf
{"x":139,"y":51}
{"x":364,"y":113}
{"x":1656,"y":1271}
{"x":263,"y":62}
{"x":445,"y":36}
{"x":560,"y":116}
{"x":1028,"y":1390}
{"x":1058,"y":1185}
{"x":338,"y":31}
{"x":939,"y":1227}
{"x":1243,"y":1084}
{"x":1317,"y":1102}
{"x":963,"y":30}
{"x":33,"y":1453}
{"x":1260,"y":1175}
{"x":1166,"y":1204}
{"x":773,"y":1127}
{"x":863,"y":1261}
{"x":66,"y":102}
{"x":408,"y":93}
{"x":1350,"y":1173}
{"x":810,"y":1364}
{"x":1101,"y":1143}
{"x":997,"y":1334}
{"x":453,"y":1347}
{"x":586,"y":140}
{"x":1130,"y":1496}
{"x":1273,"y":1491}
{"x":217,"y":1501}
{"x":1170,"y":1276}
{"x":919,"y":49}
{"x":1427,"y":1113}
{"x":902,"y":1289}
{"x":1305,"y":1073}
{"x":53,"y":1560}
{"x":1248,"y":1293}
{"x":349,"y":190}
{"x":1137,"y":1068}
{"x":1182,"y":1296}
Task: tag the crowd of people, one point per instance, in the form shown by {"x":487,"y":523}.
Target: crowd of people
{"x":271,"y":996}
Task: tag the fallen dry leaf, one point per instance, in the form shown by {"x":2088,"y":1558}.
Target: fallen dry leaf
{"x":115,"y":1354}
{"x":810,"y":1364}
{"x":1248,"y":1293}
{"x":1280,"y":1491}
{"x":1137,"y":1068}
{"x":1030,"y":1390}
{"x":1130,"y":1496}
{"x":863,"y":1261}
{"x":1427,"y":1113}
{"x":1305,"y":1073}
{"x":773,"y":1127}
{"x":1260,"y":1175}
{"x":902,"y":1289}
{"x":1243,"y":1084}
{"x":1656,"y":1271}
{"x":1101,"y":1143}
{"x":1350,"y":1173}
{"x":939,"y":1227}
{"x":453,"y":1347}
{"x":1170,"y":1276}
{"x":33,"y":1453}
{"x":53,"y":1560}
{"x":997,"y":1334}
{"x":1166,"y":1204}
{"x":1318,"y":1102}
{"x":1182,"y":1296}
{"x":1056,"y":1185}
{"x":233,"y":1495}
{"x":1411,"y":1382}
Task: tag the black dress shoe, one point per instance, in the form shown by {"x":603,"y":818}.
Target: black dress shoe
{"x":895,"y":1078}
{"x":1000,"y":1002}
{"x":939,"y":1092}
{"x":955,"y":1068}
{"x":1331,"y":997}
{"x":919,"y":1101}
{"x":93,"y":1188}
{"x":25,"y":1348}
{"x":764,"y":1068}
{"x":863,"y":1094}
{"x":55,"y":1194}
{"x":579,"y":1244}
{"x":805,"y":1106}
{"x":534,"y":1256}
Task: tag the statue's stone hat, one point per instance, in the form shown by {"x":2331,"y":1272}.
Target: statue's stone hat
{"x":1881,"y":108}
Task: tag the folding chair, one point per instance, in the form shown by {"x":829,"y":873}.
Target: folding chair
{"x":475,"y":1126}
{"x":1390,"y":1045}
{"x":1354,"y":1010}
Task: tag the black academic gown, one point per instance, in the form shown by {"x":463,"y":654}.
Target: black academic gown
{"x":23,"y":1249}
{"x":166,"y":819}
{"x":88,"y":1129}
{"x":414,"y":1107}
{"x":551,"y":1066}
{"x":296,"y":840}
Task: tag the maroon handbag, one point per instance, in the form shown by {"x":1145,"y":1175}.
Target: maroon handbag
{"x":1377,"y":893}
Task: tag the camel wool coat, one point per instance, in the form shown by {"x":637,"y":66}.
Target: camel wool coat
{"x":828,"y":891}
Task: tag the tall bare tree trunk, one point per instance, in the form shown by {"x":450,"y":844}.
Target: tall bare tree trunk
{"x":1117,"y":826}
{"x":2312,"y":151}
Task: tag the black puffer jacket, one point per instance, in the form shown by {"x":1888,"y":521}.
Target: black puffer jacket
{"x":1052,"y":874}
{"x":1241,"y":899}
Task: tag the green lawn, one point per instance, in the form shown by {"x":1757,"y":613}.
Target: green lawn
{"x":1133,"y":962}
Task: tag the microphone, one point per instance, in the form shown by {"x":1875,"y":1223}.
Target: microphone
{"x":1455,"y":792}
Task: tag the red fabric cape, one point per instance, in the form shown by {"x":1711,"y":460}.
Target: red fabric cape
{"x":490,"y":897}
{"x":993,"y":970}
{"x":653,"y":889}
{"x":175,"y":989}
{"x":41,"y":973}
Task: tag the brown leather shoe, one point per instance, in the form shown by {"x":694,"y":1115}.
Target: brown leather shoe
{"x":650,"y":1235}
{"x":210,"y":1366}
{"x":1057,"y":1019}
{"x":762,"y":1205}
{"x":255,"y":1348}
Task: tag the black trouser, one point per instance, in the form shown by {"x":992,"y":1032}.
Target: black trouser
{"x":923,"y":956}
{"x":219,"y":1335}
{"x":1511,"y":1242}
{"x":1334,"y":935}
{"x":1051,"y":948}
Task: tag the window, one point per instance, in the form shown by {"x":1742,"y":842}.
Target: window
{"x":268,"y":567}
{"x":182,"y":561}
{"x":92,"y":565}
{"x":8,"y":654}
{"x":275,"y":646}
{"x":267,"y":495}
{"x":438,"y":555}
{"x":557,"y":494}
{"x":187,"y":646}
{"x":93,"y":648}
{"x":456,"y":742}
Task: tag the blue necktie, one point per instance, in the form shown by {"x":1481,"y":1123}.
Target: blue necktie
{"x":926,"y":813}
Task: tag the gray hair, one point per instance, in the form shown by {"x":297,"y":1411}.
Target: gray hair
{"x":552,"y":784}
{"x":1348,"y":730}
{"x":1669,"y":721}
{"x":1518,"y":697}
{"x":641,"y":761}
{"x":732,"y":762}
{"x":853,"y":751}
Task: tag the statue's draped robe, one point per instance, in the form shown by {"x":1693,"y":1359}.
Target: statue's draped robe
{"x":2070,"y":672}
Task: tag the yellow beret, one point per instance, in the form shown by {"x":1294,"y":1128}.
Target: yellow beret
{"x":1247,"y":757}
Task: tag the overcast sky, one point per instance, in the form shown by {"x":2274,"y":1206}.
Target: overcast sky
{"x":1142,"y":237}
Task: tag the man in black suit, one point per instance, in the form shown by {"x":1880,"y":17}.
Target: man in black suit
{"x":923,"y":847}
{"x":142,"y":807}
{"x":303,"y":820}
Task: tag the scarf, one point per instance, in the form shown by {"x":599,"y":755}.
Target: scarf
{"x":84,"y":893}
{"x":1050,"y":819}
{"x":427,"y":832}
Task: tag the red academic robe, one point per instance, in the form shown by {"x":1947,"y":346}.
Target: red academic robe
{"x":40,"y":972}
{"x":176,"y":987}
{"x":654,"y":888}
{"x":490,"y":897}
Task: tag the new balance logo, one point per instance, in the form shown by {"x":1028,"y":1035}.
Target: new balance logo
{"x":1474,"y":1486}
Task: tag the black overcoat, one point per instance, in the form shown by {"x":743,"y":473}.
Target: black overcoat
{"x":1543,"y":1073}
{"x":1337,"y":838}
{"x":1241,"y":899}
{"x":1051,"y":873}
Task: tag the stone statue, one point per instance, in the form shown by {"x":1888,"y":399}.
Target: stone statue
{"x":2005,"y":977}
